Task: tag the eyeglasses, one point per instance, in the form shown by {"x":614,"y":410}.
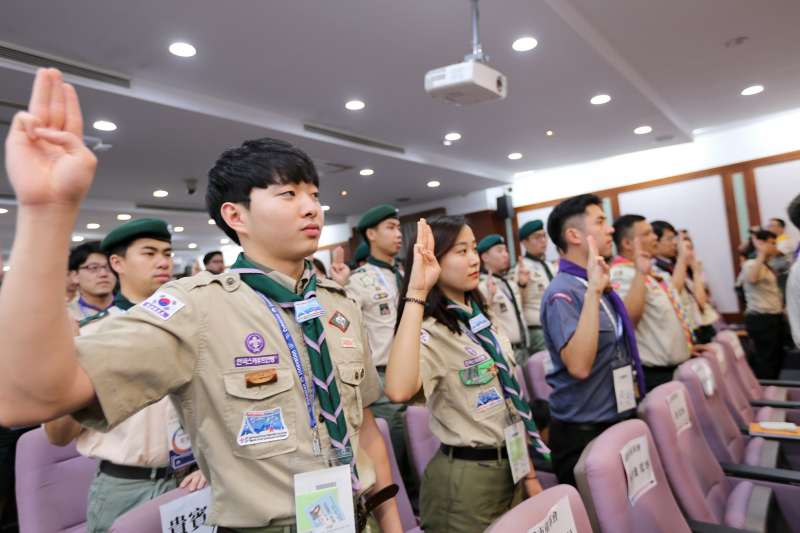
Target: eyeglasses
{"x":95,"y":269}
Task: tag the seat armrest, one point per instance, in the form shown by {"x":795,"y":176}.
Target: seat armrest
{"x":779,"y":383}
{"x":775,"y":403}
{"x":760,"y":473}
{"x":707,"y":527}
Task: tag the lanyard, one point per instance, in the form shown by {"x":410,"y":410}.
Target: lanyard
{"x":611,"y":316}
{"x":298,"y":366}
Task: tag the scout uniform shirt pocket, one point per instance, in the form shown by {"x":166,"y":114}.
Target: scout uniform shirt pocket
{"x":351,"y":374}
{"x":260,"y":412}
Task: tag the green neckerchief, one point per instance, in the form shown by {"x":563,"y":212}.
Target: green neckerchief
{"x":508,"y":382}
{"x":396,"y":271}
{"x":541,"y":262}
{"x":314,"y":338}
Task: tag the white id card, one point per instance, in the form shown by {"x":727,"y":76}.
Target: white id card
{"x":623,"y":388}
{"x":323,"y":501}
{"x":517,"y":448}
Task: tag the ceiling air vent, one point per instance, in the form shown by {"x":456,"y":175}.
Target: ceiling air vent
{"x":352,"y":138}
{"x":40,"y":59}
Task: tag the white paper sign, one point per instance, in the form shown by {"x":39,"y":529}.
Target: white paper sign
{"x":324,"y":501}
{"x":623,"y":388}
{"x":703,"y":371}
{"x":679,"y":411}
{"x":720,"y":353}
{"x":638,"y":468}
{"x":559,"y":519}
{"x":548,"y":365}
{"x":187,"y":514}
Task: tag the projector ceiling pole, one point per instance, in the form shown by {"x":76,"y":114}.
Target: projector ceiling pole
{"x":477,"y":49}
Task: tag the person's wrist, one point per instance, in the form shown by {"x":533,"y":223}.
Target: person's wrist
{"x":417,"y":294}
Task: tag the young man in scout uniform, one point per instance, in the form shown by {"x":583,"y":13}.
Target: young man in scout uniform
{"x":90,"y":270}
{"x":504,"y":290}
{"x":376,"y":287}
{"x":588,"y":334}
{"x":663,"y":334}
{"x":137,"y":459}
{"x":534,"y":240}
{"x":264,"y":384}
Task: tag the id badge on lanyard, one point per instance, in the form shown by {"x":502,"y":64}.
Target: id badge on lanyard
{"x":178,"y":442}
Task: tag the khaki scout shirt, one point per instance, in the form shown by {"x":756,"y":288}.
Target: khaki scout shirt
{"x":461,"y":415}
{"x":533,"y":292}
{"x":763,"y":296}
{"x":142,"y":439}
{"x":660,"y":334}
{"x":375,"y":289}
{"x":195,"y":340}
{"x":501,"y":307}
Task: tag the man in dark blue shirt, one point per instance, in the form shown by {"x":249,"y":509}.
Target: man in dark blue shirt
{"x":596,"y":375}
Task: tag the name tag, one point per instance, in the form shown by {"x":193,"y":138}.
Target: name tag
{"x":623,"y":388}
{"x":517,"y":451}
{"x":306,"y":310}
{"x":479,"y":323}
{"x":180,"y":446}
{"x":324,"y":500}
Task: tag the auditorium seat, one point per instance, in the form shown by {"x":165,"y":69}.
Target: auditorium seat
{"x":536,"y":372}
{"x":410,"y":524}
{"x":52,"y":485}
{"x":560,"y":506}
{"x":741,"y":496}
{"x":145,"y":518}
{"x":422,"y":444}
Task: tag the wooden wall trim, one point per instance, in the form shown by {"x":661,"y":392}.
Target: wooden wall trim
{"x":752,"y":197}
{"x":733,"y":219}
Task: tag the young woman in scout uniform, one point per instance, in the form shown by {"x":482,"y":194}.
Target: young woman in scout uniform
{"x":446,"y":346}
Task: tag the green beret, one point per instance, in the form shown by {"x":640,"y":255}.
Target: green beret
{"x":532,"y":226}
{"x":135,"y":229}
{"x":489,"y":241}
{"x":361,"y":253}
{"x":376,"y":215}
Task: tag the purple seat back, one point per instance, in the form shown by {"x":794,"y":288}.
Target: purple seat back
{"x":536,"y":371}
{"x":145,"y":518}
{"x":694,"y":474}
{"x":403,"y":503}
{"x":700,"y":376}
{"x":747,"y":379}
{"x":422,"y":443}
{"x":603,"y":483}
{"x":734,"y":396}
{"x":538,"y":509}
{"x":52,"y":485}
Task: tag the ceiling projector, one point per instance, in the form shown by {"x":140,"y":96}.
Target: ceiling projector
{"x":472,"y":81}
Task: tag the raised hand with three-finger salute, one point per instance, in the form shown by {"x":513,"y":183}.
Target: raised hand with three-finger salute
{"x":426,"y":269}
{"x":642,"y":259}
{"x":523,"y":274}
{"x":597,"y":271}
{"x":340,"y":272}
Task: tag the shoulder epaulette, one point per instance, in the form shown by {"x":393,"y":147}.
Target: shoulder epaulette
{"x":90,"y":319}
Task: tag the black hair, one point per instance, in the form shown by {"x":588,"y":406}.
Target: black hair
{"x":122,"y":248}
{"x":209,"y":256}
{"x":763,"y":235}
{"x":794,"y":211}
{"x":622,"y":228}
{"x":256,"y":164}
{"x":566,"y":210}
{"x":780,"y":221}
{"x":320,"y":265}
{"x":660,"y":226}
{"x":445,"y":231}
{"x":79,"y":254}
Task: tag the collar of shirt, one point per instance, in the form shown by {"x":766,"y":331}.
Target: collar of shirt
{"x":289,"y":282}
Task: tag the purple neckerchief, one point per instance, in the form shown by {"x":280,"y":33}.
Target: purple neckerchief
{"x":797,"y":252}
{"x":619,"y":307}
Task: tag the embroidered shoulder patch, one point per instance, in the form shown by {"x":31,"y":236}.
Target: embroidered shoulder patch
{"x":424,"y":337}
{"x":162,"y":305}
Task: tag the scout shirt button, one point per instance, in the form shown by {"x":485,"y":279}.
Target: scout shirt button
{"x":229,"y":281}
{"x":355,"y":375}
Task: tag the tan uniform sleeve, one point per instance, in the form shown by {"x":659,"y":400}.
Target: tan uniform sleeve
{"x":431,"y":367}
{"x":135,"y":359}
{"x":371,"y":385}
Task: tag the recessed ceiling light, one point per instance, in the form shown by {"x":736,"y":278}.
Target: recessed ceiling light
{"x":123,"y":217}
{"x":753,"y":89}
{"x":326,"y":208}
{"x":92,"y":225}
{"x":178,"y":229}
{"x":600,"y":99}
{"x":104,"y":125}
{"x":355,"y":105}
{"x":549,"y":133}
{"x":224,"y":241}
{"x":452,"y":136}
{"x":642,"y":130}
{"x":447,"y":143}
{"x":211,"y":222}
{"x":191,"y":245}
{"x":514,"y":156}
{"x":525,"y":44}
{"x":343,"y":193}
{"x":6,"y":268}
{"x":160,"y":193}
{"x":182,"y":49}
{"x":367,"y":172}
{"x":77,"y":238}
{"x":433,"y":184}
{"x":3,"y":210}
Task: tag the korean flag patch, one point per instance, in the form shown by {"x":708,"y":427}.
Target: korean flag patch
{"x":162,"y":305}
